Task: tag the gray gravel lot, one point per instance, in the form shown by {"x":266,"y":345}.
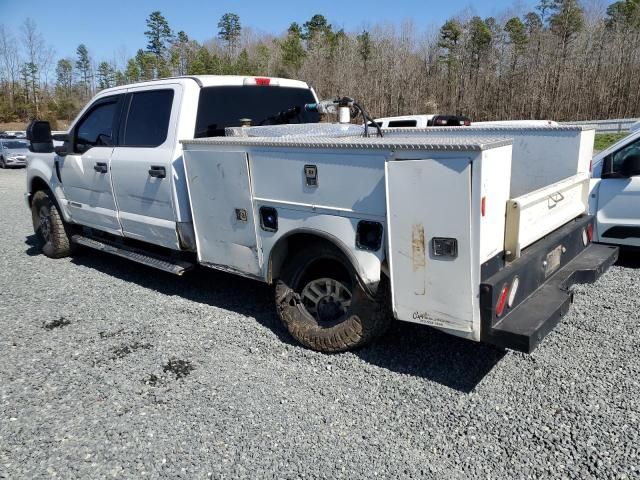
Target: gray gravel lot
{"x":110,"y":369}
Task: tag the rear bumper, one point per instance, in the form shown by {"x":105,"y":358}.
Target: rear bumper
{"x":543,"y":297}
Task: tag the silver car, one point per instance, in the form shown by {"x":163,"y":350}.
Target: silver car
{"x":13,"y":152}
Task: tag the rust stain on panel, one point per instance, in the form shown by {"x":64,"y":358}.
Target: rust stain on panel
{"x":417,"y":247}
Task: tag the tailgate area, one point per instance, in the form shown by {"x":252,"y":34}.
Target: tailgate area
{"x":545,"y":273}
{"x":536,"y":214}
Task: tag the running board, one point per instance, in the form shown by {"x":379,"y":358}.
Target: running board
{"x":177,"y":267}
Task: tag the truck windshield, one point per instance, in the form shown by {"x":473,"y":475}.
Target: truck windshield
{"x":222,"y":107}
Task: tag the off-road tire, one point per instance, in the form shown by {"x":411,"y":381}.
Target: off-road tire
{"x":53,"y":237}
{"x":366,"y":319}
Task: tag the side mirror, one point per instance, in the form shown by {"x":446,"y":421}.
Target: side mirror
{"x":631,"y":165}
{"x":61,"y":150}
{"x":39,"y":136}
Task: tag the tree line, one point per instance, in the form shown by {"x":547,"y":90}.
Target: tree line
{"x":559,"y":61}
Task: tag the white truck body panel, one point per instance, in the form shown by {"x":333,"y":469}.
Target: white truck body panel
{"x":361,"y":179}
{"x":570,"y":147}
{"x":219,"y":191}
{"x":540,"y":212}
{"x":436,"y":291}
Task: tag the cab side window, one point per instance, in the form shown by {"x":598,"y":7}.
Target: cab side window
{"x":96,"y":127}
{"x":618,"y":158}
{"x":148,"y":118}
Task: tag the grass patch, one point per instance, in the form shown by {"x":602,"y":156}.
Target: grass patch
{"x":605,"y":140}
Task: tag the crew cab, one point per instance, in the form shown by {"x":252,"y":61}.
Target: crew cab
{"x":478,"y":232}
{"x":615,"y":193}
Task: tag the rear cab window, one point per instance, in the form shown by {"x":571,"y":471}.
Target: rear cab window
{"x":224,"y":106}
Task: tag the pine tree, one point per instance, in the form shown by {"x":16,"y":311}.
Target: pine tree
{"x":106,"y":75}
{"x":292,"y":51}
{"x":517,"y":32}
{"x":64,"y":77}
{"x":132,"y":71}
{"x":158,"y":35}
{"x":364,"y":47}
{"x":229,"y":30}
{"x":83,"y":65}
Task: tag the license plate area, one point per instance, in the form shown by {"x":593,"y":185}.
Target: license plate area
{"x":552,"y":262}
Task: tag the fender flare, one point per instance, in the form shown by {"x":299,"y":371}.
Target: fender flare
{"x":276,"y":258}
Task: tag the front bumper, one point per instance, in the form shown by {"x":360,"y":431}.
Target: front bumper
{"x":15,"y":162}
{"x":542,"y":297}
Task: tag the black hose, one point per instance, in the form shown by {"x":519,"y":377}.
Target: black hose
{"x":367,"y":119}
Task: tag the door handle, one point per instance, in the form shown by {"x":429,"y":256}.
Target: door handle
{"x":101,"y":167}
{"x":157,"y":172}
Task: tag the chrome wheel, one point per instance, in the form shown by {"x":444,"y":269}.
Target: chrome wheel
{"x":44,"y":215}
{"x":326,"y":299}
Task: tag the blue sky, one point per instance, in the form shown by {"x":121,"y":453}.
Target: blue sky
{"x":113,"y":28}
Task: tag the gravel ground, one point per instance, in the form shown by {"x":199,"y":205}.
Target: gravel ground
{"x":110,"y":369}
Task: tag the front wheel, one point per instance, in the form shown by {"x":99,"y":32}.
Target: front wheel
{"x":49,"y":226}
{"x":323,"y":305}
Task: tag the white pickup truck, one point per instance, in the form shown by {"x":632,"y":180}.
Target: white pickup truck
{"x":478,"y":232}
{"x":615,"y":193}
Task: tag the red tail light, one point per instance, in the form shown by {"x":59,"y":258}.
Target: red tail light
{"x":502,"y":300}
{"x":483,"y":205}
{"x":263,"y":82}
{"x":590,"y":231}
{"x":467,"y":123}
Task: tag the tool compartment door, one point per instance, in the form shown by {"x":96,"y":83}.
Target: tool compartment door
{"x":222,"y":208}
{"x":427,"y":199}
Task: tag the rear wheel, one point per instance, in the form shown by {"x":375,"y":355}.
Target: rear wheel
{"x":323,"y":305}
{"x":49,"y":226}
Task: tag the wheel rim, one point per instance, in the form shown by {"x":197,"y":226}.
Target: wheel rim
{"x":44,"y":216}
{"x":326,"y":299}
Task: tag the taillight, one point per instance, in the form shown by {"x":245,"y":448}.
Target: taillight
{"x":587,"y":234}
{"x":502,"y":300}
{"x":467,"y":123}
{"x":590,"y":166}
{"x":483,"y":205}
{"x":260,"y":81}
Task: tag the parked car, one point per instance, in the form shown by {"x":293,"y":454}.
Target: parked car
{"x":16,"y":133}
{"x":615,"y":193}
{"x":479,"y":235}
{"x":423,"y":121}
{"x":13,"y":152}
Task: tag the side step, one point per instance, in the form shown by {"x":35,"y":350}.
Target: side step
{"x":177,"y":267}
